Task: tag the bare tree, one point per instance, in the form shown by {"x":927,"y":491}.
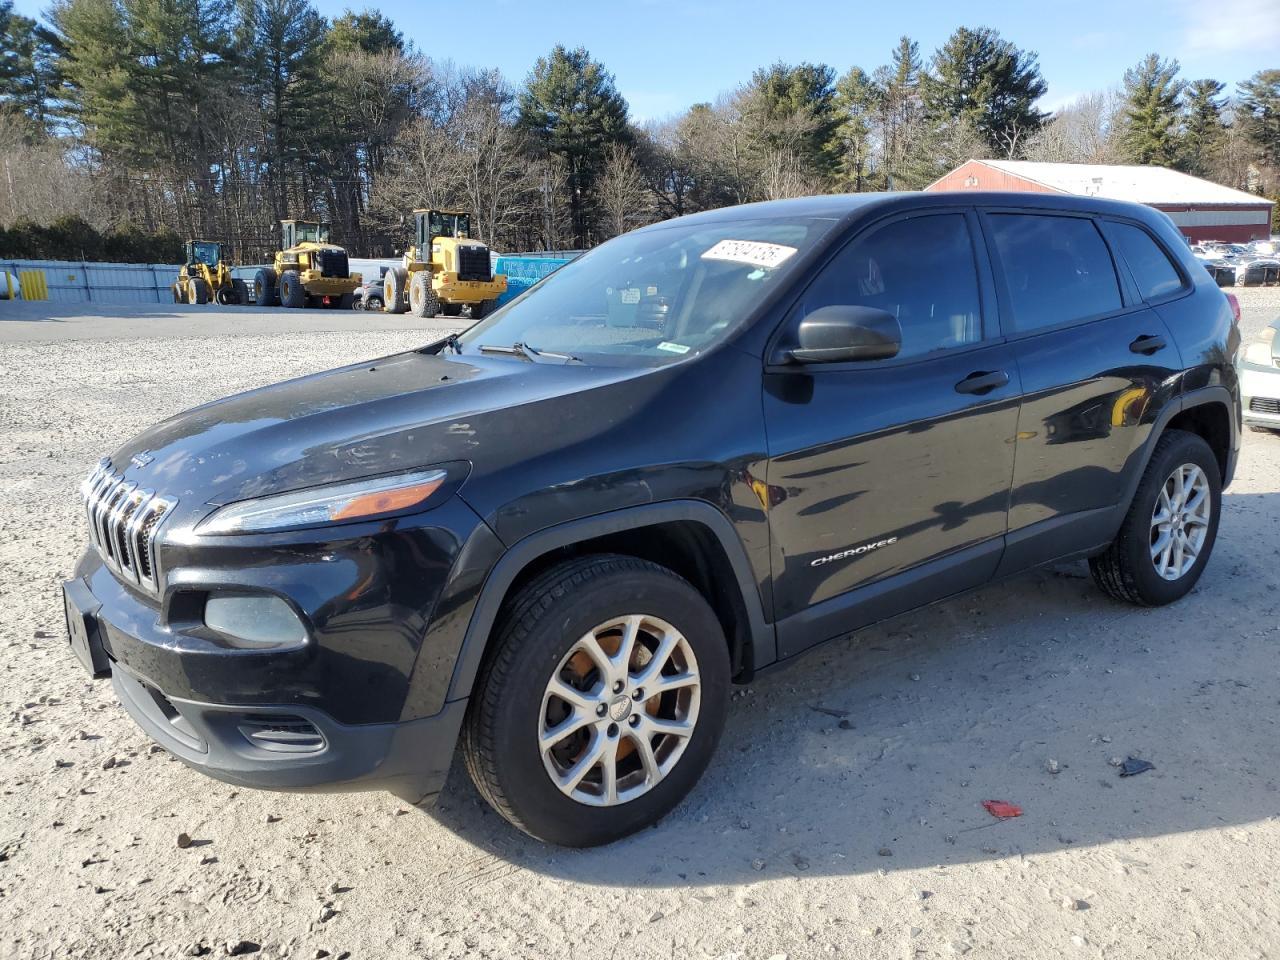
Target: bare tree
{"x":621,"y":192}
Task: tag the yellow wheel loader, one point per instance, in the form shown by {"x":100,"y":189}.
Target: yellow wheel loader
{"x":204,"y":277}
{"x":444,"y":270}
{"x":308,"y":271}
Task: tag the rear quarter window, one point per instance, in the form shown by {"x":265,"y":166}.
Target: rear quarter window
{"x":1152,"y":270}
{"x":1056,"y":269}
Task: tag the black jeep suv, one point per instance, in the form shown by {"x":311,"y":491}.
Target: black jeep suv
{"x":704,"y":447}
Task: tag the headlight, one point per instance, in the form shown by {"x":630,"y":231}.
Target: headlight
{"x":336,"y":503}
{"x":1260,"y":350}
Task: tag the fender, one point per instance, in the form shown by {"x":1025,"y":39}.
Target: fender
{"x":760,"y":634}
{"x":1177,"y":405}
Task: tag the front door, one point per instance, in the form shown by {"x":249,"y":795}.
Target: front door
{"x":889,"y":479}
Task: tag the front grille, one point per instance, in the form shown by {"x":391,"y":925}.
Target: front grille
{"x":333,"y":263}
{"x":1265,"y":405}
{"x":473,"y":263}
{"x":123,"y":519}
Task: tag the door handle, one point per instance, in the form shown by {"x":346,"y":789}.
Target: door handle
{"x":982,"y":382}
{"x":1147,"y":345}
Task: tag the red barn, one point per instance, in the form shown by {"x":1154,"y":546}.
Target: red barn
{"x":1201,"y":209}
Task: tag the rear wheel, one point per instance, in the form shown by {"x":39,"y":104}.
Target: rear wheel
{"x":345,"y":301}
{"x":197,"y":291}
{"x":292,"y":293}
{"x":264,"y":288}
{"x":226,"y":296}
{"x":602,"y":702}
{"x":422,"y":298}
{"x":241,"y":291}
{"x":393,"y":289}
{"x":176,"y":290}
{"x":1168,"y":534}
{"x":373,"y":304}
{"x":481,"y":309}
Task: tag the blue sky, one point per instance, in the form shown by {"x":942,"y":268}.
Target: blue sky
{"x":667,"y":54}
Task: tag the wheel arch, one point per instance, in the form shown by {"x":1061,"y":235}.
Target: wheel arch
{"x":691,"y":537}
{"x":1205,"y":412}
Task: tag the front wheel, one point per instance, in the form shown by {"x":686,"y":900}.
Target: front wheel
{"x":1168,"y":534}
{"x":602,"y":702}
{"x":292,"y":292}
{"x":422,"y":297}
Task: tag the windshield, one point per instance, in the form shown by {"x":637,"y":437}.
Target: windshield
{"x":654,"y":295}
{"x":312,"y":233}
{"x":449,"y":224}
{"x":207,"y":253}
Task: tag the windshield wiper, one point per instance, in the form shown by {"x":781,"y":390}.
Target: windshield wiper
{"x":526,"y":352}
{"x":439,"y":346}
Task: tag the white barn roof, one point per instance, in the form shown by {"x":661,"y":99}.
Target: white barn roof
{"x":1149,"y":185}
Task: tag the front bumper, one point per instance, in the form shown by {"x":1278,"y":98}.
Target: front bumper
{"x":359,"y":704}
{"x":295,"y":748}
{"x":1260,"y":394}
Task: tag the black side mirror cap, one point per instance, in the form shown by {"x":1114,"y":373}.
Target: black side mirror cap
{"x":840,"y":333}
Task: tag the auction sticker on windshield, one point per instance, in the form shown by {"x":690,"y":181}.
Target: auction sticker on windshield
{"x":754,"y":252}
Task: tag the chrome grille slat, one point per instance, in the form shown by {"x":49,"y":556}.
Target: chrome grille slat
{"x":123,"y":520}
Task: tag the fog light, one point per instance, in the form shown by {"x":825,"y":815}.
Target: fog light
{"x":254,"y":618}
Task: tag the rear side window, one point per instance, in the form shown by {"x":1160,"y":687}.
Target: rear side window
{"x":1056,"y":269}
{"x":1154,"y":274}
{"x":920,"y":269}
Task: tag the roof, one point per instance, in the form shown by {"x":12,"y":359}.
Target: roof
{"x":1137,"y":184}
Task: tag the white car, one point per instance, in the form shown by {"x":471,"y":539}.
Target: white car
{"x":1260,"y":379}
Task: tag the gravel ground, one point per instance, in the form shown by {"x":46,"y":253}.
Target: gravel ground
{"x":841,"y":817}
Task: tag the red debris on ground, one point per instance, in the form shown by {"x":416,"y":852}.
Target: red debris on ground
{"x":1002,"y":810}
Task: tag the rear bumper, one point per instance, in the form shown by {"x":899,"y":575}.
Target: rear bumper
{"x":318,"y":286}
{"x":295,"y":748}
{"x":449,"y":287}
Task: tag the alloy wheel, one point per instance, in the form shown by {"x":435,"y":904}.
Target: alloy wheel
{"x":619,"y":710}
{"x":1180,"y":521}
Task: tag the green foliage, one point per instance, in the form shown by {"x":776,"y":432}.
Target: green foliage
{"x":859,"y":100}
{"x":369,"y":31}
{"x":1149,"y":119}
{"x":1203,"y":129}
{"x":30,"y":68}
{"x":572,"y":108}
{"x":71,"y":238}
{"x":794,"y":108}
{"x":1259,"y":114}
{"x":983,"y":82}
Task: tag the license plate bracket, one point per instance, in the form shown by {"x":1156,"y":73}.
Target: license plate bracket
{"x":83,"y":630}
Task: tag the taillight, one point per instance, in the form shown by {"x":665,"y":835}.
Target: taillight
{"x":1235,"y":307}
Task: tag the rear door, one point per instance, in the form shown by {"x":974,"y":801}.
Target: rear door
{"x":889,"y":479}
{"x":1097,"y":364}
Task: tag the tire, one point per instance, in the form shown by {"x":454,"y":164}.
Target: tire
{"x":422,"y":298}
{"x":357,"y":304}
{"x":176,"y":290}
{"x":535,"y":640}
{"x":226,"y":297}
{"x":451,"y":309}
{"x":292,"y":293}
{"x":264,"y":288}
{"x":345,"y":302}
{"x":394,"y":284}
{"x":241,"y":291}
{"x":198,"y":291}
{"x":481,"y":310}
{"x":373,"y":304}
{"x":1256,"y":429}
{"x":1128,"y":569}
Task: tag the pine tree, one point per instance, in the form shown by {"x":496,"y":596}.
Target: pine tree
{"x":901,"y":109}
{"x":793,"y":109}
{"x":1259,"y":115}
{"x":30,"y":72}
{"x":1149,"y":118}
{"x":984,"y":82}
{"x":572,"y":108}
{"x":858,"y":102}
{"x":1203,"y":129}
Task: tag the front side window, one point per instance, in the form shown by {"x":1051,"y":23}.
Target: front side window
{"x":207,"y":253}
{"x":1056,"y":269}
{"x":921,"y":270}
{"x":1153,"y":273}
{"x":655,"y":295}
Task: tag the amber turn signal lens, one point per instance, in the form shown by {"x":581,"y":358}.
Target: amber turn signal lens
{"x":385,"y":501}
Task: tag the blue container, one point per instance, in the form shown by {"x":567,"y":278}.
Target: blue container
{"x":524,"y":270}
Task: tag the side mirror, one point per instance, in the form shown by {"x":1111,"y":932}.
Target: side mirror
{"x":840,"y":333}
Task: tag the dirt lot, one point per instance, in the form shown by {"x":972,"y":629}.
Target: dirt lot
{"x":814,"y":834}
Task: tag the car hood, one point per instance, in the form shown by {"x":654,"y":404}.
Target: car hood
{"x":396,"y":413}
